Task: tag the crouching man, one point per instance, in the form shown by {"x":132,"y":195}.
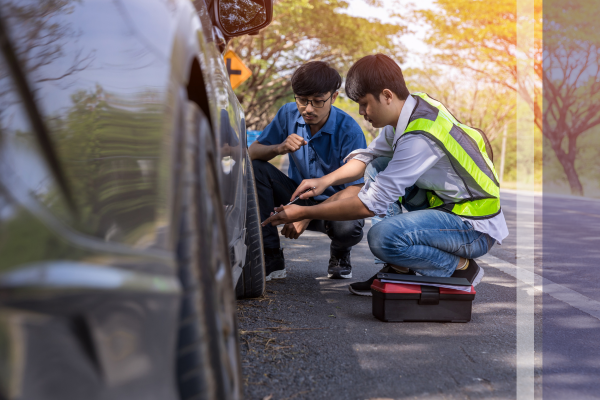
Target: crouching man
{"x":317,"y":137}
{"x":424,"y":159}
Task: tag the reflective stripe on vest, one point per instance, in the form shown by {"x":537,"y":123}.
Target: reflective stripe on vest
{"x":465,"y":147}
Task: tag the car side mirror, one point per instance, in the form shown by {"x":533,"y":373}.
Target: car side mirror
{"x":242,"y":17}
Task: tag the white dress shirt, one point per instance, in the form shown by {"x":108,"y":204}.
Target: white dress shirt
{"x":415,"y":160}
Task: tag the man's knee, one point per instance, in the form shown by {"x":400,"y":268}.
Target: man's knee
{"x":346,"y":231}
{"x":376,"y":240}
{"x":383,"y":240}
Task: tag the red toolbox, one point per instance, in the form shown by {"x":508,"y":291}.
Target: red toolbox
{"x":398,"y":302}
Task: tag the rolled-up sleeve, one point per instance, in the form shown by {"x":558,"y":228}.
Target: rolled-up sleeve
{"x":413,"y":156}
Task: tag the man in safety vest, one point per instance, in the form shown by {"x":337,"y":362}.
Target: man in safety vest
{"x":423,"y":159}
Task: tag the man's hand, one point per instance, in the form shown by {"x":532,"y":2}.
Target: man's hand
{"x":293,"y":230}
{"x":319,"y":185}
{"x":291,"y":144}
{"x":285,"y":215}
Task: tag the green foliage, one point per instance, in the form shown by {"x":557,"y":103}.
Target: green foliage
{"x":480,"y":104}
{"x":487,"y":106}
{"x":304,"y":30}
{"x":571,"y":88}
{"x":566,"y":21}
{"x":480,"y":37}
{"x":475,"y":34}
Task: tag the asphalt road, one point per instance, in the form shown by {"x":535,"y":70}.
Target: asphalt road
{"x":309,"y":338}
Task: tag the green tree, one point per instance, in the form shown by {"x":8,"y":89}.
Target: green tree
{"x":571,"y":81}
{"x":481,"y":37}
{"x":305,"y":30}
{"x":487,"y":106}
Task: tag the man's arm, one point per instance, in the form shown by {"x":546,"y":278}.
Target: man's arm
{"x":259,"y":151}
{"x":295,"y":229}
{"x":342,"y":206}
{"x":350,"y":172}
{"x":354,"y":173}
{"x":414,"y":156}
{"x":349,"y":208}
{"x":264,"y":152}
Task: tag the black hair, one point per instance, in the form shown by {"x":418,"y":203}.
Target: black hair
{"x":315,"y":78}
{"x":372,"y":74}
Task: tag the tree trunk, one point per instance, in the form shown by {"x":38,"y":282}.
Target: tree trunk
{"x":567,"y":160}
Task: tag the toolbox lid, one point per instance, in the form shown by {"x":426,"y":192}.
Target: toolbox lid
{"x":424,"y":280}
{"x":400,"y":288}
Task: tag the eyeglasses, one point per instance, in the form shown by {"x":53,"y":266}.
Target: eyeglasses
{"x":315,"y":103}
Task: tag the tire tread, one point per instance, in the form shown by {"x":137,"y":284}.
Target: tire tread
{"x":252,"y":283}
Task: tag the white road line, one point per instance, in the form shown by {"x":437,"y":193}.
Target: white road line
{"x":555,"y":290}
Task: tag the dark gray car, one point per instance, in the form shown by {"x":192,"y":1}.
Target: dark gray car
{"x":128,"y":215}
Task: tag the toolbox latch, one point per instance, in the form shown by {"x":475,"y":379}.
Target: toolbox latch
{"x":430,"y":295}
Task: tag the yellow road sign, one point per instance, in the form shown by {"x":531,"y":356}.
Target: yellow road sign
{"x":236,"y":69}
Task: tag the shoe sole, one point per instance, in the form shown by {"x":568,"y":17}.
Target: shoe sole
{"x":360,"y":293}
{"x":338,"y":276}
{"x":276,"y":275}
{"x":478,"y":277}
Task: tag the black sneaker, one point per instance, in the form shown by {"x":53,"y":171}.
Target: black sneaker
{"x":339,"y":267}
{"x":473,"y":273}
{"x":364,"y":288}
{"x":274,"y":264}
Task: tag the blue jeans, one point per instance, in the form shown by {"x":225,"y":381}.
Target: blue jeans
{"x":429,"y":242}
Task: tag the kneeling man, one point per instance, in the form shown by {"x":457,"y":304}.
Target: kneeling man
{"x":317,"y":137}
{"x":423,"y":159}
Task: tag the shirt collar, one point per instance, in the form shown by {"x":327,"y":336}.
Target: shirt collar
{"x":329,"y":126}
{"x":407,"y":110}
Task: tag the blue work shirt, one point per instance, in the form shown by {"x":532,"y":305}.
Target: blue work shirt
{"x":326,"y":149}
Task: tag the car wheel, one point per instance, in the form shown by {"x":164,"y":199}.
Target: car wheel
{"x":252,"y":280}
{"x":208,"y":358}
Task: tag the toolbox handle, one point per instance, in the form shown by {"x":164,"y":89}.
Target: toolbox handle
{"x":430,"y":295}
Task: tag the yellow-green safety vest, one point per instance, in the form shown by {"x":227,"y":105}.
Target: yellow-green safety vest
{"x":468,"y":154}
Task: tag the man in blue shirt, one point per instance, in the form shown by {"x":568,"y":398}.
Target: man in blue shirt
{"x":317,"y":137}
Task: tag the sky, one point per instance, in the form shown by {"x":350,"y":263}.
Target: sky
{"x":413,"y":41}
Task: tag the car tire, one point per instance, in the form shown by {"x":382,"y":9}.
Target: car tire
{"x":208,"y":364}
{"x":252,"y":283}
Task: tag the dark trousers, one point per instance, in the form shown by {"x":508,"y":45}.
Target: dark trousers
{"x":274,"y":189}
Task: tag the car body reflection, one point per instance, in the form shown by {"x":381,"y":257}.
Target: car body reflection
{"x":94,"y":107}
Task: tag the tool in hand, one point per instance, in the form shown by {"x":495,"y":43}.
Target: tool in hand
{"x":293,"y":201}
